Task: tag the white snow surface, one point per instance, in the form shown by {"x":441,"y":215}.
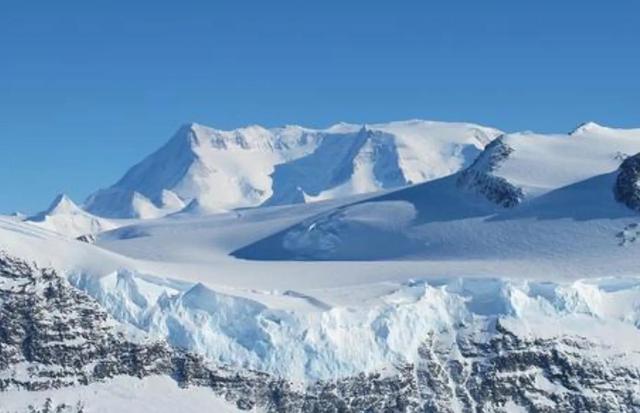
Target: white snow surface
{"x":247,"y":167}
{"x":353,"y":284}
{"x":541,"y":163}
{"x":155,"y":394}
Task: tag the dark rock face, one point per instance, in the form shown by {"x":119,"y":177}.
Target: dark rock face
{"x":479,"y":178}
{"x":61,"y":335}
{"x":88,"y":238}
{"x":627,"y":187}
{"x":53,"y":336}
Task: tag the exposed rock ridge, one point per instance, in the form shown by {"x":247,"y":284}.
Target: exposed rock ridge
{"x":479,"y":176}
{"x":627,"y":187}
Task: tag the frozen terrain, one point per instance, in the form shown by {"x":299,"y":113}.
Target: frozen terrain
{"x":66,"y":218}
{"x":440,"y":345}
{"x":246,"y":167}
{"x":123,"y":394}
{"x":481,"y":275}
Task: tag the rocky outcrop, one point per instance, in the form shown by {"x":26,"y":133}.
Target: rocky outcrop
{"x":563,"y":374}
{"x":52,"y":336}
{"x":479,"y":177}
{"x":60,"y":337}
{"x":88,"y":238}
{"x":627,"y":187}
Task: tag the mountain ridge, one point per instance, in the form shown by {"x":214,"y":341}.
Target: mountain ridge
{"x":239,"y":168}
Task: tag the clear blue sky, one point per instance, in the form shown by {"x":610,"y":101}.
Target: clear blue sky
{"x":87,"y":88}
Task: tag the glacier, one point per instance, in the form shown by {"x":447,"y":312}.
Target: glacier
{"x":336,"y":342}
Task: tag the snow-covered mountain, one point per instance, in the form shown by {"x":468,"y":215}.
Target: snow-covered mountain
{"x":251,"y":166}
{"x":559,"y":190}
{"x":65,"y":217}
{"x":525,"y":165}
{"x":508,"y":284}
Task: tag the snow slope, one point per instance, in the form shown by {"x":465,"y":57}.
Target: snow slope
{"x":50,"y":249}
{"x":123,"y":394}
{"x":564,"y":211}
{"x":15,"y":216}
{"x":250,"y":166}
{"x":64,"y":217}
{"x":536,"y":164}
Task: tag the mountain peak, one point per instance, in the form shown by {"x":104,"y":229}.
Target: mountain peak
{"x":587,"y":127}
{"x":189,"y":133}
{"x":62,"y":204}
